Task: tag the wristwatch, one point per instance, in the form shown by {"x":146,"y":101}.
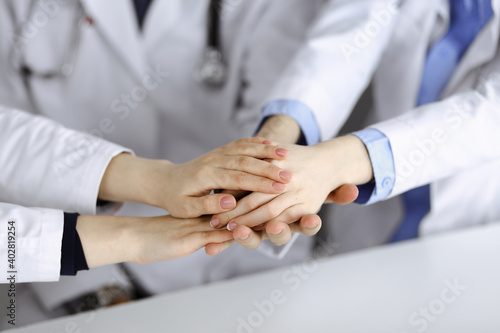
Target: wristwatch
{"x":105,"y":296}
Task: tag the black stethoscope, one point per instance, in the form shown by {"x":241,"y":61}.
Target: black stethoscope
{"x":212,"y":72}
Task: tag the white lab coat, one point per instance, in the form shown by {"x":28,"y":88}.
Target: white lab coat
{"x":451,"y":144}
{"x":53,"y":168}
{"x":139,"y":90}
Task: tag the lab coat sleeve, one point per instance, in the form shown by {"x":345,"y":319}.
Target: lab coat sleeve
{"x":444,"y":138}
{"x":34,"y":246}
{"x":47,"y":165}
{"x":337,"y":62}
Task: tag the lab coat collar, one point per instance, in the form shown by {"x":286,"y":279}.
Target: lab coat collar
{"x":117,"y":22}
{"x":482,"y":50}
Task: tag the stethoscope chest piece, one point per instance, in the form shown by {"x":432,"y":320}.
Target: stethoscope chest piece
{"x":213,"y":70}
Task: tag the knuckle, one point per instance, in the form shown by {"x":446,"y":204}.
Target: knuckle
{"x":205,"y":237}
{"x":239,"y":178}
{"x":243,"y":161}
{"x":252,"y":203}
{"x":231,"y":164}
{"x":203,"y":171}
{"x":291,"y":216}
{"x":250,"y":243}
{"x":181,"y":210}
{"x":209,"y":158}
{"x":270,"y":210}
{"x":223,"y":179}
{"x":241,"y":141}
{"x":207,"y":205}
{"x":224,"y":218}
{"x":242,"y":148}
{"x":270,"y":150}
{"x":273,"y":170}
{"x":282,"y":240}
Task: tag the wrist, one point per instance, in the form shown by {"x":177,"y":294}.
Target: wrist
{"x":141,"y":233}
{"x":347,"y":159}
{"x":280,"y":128}
{"x":156,"y":177}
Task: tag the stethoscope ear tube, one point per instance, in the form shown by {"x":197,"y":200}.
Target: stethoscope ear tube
{"x":213,"y":70}
{"x":17,"y":56}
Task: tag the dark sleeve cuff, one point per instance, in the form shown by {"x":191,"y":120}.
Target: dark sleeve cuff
{"x":72,"y":256}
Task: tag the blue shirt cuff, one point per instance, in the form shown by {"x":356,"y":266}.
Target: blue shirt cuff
{"x":380,"y":151}
{"x":298,"y":111}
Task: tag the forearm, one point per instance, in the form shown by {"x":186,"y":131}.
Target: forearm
{"x":111,"y":239}
{"x":131,"y":178}
{"x":107,"y":239}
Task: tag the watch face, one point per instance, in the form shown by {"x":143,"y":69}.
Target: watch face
{"x":105,"y":296}
{"x":112,"y":295}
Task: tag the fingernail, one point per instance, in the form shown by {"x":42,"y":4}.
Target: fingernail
{"x":282,"y":152}
{"x":279,"y":186}
{"x":214,"y":223}
{"x":227,"y":203}
{"x":231,"y":226}
{"x":267,"y":142}
{"x":244,"y":237}
{"x":285,"y":175}
{"x":277,"y":233}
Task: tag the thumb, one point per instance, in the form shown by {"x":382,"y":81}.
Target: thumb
{"x":212,"y":204}
{"x":343,"y":195}
{"x":213,"y":249}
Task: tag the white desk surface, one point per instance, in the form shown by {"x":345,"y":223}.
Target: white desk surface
{"x":378,"y":290}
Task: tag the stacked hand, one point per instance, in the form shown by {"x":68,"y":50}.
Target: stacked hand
{"x":321,"y":173}
{"x":274,"y":207}
{"x":184,"y":190}
{"x":115,"y":239}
